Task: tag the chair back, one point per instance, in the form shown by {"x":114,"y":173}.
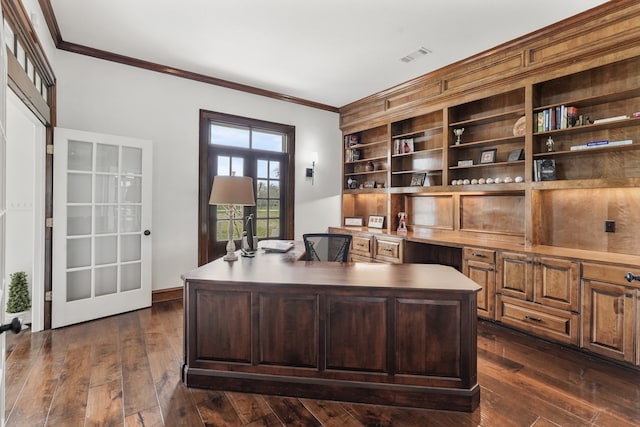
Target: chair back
{"x":327,"y":247}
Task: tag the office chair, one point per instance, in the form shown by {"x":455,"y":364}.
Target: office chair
{"x":327,"y":247}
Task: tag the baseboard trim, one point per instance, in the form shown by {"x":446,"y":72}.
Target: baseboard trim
{"x":169,"y":294}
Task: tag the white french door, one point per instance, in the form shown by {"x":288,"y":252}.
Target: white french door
{"x":101,"y":226}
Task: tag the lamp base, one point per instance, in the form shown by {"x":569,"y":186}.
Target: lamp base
{"x":231,"y":252}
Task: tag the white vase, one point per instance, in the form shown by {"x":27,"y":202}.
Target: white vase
{"x":24,"y":316}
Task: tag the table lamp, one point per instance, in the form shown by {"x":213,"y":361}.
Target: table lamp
{"x":232,"y":191}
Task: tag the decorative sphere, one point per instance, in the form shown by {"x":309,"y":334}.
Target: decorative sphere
{"x":489,"y":180}
{"x":498,"y":180}
{"x":519,"y":179}
{"x":466,"y":182}
{"x":481,"y":181}
{"x":508,"y":179}
{"x":454,"y":182}
{"x":474,"y":181}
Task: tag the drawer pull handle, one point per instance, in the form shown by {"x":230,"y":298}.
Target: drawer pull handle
{"x":387,"y":249}
{"x":533,"y":319}
{"x":478,"y":255}
{"x":631,"y":277}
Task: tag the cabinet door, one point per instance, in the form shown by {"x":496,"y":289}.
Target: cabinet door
{"x":556,"y":283}
{"x":608,"y":315}
{"x":484,"y":275}
{"x":515,"y":275}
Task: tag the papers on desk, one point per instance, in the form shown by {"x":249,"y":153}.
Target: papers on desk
{"x":276,"y":245}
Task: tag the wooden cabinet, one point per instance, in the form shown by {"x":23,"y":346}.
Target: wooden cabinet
{"x":610,"y":312}
{"x":479,"y":264}
{"x":540,"y":295}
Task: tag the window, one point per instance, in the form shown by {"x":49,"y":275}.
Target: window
{"x":232,"y":145}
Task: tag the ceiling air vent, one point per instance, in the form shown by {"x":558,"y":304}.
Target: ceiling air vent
{"x":415,"y":55}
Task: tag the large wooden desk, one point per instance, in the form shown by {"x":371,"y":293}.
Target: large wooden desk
{"x":384,"y":334}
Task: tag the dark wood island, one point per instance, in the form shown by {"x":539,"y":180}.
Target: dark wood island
{"x":400,"y":335}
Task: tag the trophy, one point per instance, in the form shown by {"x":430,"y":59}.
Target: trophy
{"x":458,"y":133}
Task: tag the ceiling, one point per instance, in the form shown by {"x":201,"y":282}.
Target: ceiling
{"x":331,"y":52}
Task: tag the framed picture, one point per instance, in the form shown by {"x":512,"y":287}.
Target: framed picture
{"x":517,"y":154}
{"x":417,"y":179}
{"x":403,"y":146}
{"x":488,"y":156}
{"x":376,"y":221}
{"x":353,"y":221}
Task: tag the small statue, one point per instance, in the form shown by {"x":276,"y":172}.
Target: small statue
{"x":549,"y":144}
{"x":402,"y":223}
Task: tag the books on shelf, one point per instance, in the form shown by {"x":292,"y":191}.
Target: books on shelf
{"x":559,"y":117}
{"x":599,"y":144}
{"x":544,"y":169}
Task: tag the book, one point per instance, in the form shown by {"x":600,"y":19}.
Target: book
{"x":597,"y":144}
{"x":545,"y":169}
{"x":610,"y":119}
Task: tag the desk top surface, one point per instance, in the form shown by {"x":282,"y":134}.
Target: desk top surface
{"x":287,"y":269}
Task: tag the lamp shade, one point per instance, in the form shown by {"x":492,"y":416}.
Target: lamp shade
{"x":232,"y":190}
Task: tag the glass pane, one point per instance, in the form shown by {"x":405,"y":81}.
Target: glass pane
{"x":106,"y":250}
{"x":30,"y":70}
{"x":38,"y":83}
{"x":130,"y":277}
{"x":9,"y":37}
{"x":106,"y":280}
{"x":274,"y":189}
{"x":131,"y":189}
{"x":78,"y":285}
{"x":106,"y":219}
{"x":265,"y":140}
{"x":274,"y":228}
{"x":130,"y":218}
{"x":262,"y":189}
{"x":131,"y":160}
{"x":222,"y":230}
{"x":224,"y":165}
{"x":130,"y":247}
{"x":237,"y":166}
{"x":106,"y":158}
{"x":78,"y":188}
{"x":231,"y":136}
{"x":80,"y":156}
{"x":262,"y":169}
{"x":261,"y":208}
{"x":106,"y":189}
{"x":274,"y":170}
{"x":78,"y":252}
{"x":274,"y":208}
{"x":21,"y":56}
{"x":78,"y":220}
{"x":261,"y":228}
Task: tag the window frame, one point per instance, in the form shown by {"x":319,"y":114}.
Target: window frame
{"x":205,"y":235}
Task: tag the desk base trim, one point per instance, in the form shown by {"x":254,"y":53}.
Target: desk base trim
{"x":466,"y":400}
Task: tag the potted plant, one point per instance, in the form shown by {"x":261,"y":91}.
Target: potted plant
{"x":19,"y":302}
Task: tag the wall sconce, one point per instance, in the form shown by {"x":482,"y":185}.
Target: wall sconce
{"x":230,"y":192}
{"x":312,"y":170}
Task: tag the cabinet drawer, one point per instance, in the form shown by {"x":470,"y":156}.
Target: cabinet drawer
{"x":389,"y":250}
{"x":359,"y":258}
{"x":558,"y":325}
{"x":361,"y":245}
{"x":609,"y":273}
{"x":484,"y":255}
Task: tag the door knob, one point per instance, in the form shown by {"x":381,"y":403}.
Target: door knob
{"x":15,"y":326}
{"x":147,"y":232}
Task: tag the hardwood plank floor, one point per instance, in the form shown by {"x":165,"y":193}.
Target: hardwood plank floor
{"x":125,"y":370}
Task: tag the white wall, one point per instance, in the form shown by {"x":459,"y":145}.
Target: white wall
{"x":102,"y":96}
{"x":25,"y":201}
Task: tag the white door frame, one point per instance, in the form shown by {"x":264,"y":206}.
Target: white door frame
{"x":37,"y":140}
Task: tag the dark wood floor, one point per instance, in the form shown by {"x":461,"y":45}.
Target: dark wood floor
{"x":125,"y":370}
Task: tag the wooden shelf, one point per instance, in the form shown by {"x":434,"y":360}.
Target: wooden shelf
{"x":593,"y":100}
{"x":633,"y":121}
{"x":485,"y":165}
{"x":588,"y":151}
{"x":489,"y":118}
{"x":417,"y":132}
{"x":418,"y":152}
{"x":472,"y":144}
